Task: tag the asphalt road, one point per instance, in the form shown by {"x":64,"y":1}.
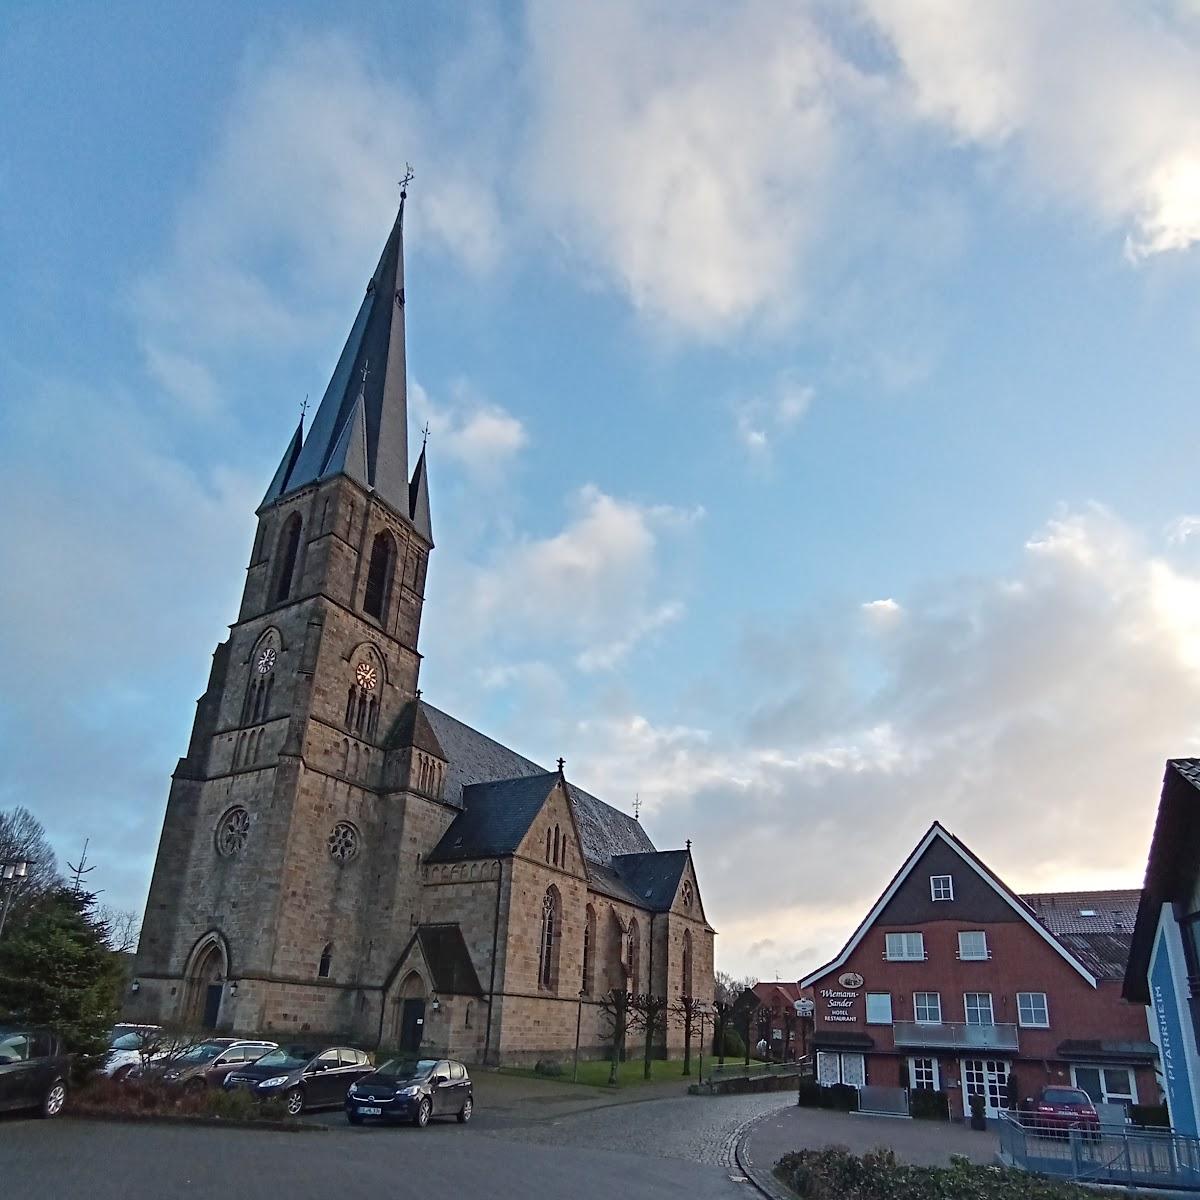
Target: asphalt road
{"x":666,"y":1148}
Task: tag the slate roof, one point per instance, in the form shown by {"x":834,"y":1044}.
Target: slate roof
{"x":494,"y":819}
{"x":1101,"y":942}
{"x":413,"y":729}
{"x":474,"y":758}
{"x":449,"y":960}
{"x":652,"y":878}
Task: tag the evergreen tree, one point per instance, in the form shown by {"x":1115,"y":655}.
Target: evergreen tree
{"x":56,"y":969}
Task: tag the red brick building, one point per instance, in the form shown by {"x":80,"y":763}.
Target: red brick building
{"x":778,"y":1023}
{"x":954,"y":982}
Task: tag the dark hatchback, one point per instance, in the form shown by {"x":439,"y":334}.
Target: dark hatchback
{"x":303,"y":1076}
{"x":413,"y":1090}
{"x":206,"y":1064}
{"x":33,"y":1070}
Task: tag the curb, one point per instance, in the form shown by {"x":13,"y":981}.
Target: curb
{"x":764,"y":1181}
{"x":184,"y":1119}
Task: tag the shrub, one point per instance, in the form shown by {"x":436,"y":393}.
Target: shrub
{"x":1150,"y":1116}
{"x":735,"y":1047}
{"x":548,"y":1067}
{"x":808,"y":1092}
{"x":841,"y":1097}
{"x":835,"y":1174}
{"x":236,"y":1105}
{"x":104,"y":1096}
{"x":928,"y":1105}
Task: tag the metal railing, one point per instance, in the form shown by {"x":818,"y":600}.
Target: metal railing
{"x":955,"y":1035}
{"x":738,"y":1069}
{"x":1115,"y":1154}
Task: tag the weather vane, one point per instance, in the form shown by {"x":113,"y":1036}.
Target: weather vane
{"x":365,"y":372}
{"x":304,"y":407}
{"x":408,"y":176}
{"x":637,"y":806}
{"x":425,"y":436}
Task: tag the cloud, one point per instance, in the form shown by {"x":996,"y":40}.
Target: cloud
{"x":1019,"y":82}
{"x":289,"y":206}
{"x":1182,"y":529}
{"x":763,"y":420}
{"x":686,"y":154}
{"x":467,"y":429}
{"x":1030,"y":711}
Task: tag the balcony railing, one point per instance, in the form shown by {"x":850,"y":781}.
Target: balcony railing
{"x":955,"y":1035}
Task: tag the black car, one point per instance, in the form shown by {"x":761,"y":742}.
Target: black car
{"x":33,"y":1070}
{"x":305,"y":1076}
{"x":409,"y":1089}
{"x":206,"y":1063}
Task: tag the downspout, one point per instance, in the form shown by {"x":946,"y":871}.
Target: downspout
{"x":487,"y":1040}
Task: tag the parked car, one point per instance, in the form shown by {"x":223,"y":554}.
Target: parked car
{"x":207,"y":1063}
{"x":33,"y":1070}
{"x":126,"y":1048}
{"x":412,"y":1090}
{"x":305,"y":1076}
{"x":1059,"y":1109}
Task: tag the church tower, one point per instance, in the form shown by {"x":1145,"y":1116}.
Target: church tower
{"x":286,"y":878}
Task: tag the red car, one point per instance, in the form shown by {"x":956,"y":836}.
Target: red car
{"x":1060,"y":1109}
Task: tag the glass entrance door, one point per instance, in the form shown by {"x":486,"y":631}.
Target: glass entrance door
{"x":986,"y":1077}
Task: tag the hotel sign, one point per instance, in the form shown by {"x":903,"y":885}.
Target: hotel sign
{"x":840,"y":1002}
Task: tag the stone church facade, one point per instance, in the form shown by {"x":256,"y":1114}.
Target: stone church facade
{"x":339,"y":857}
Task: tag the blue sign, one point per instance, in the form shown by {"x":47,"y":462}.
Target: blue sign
{"x":1169,"y":1022}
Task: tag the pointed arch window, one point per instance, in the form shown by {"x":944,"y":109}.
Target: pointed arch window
{"x":286,"y":554}
{"x":589,"y":951}
{"x":326,"y":962}
{"x":549,"y":941}
{"x":685,"y":983}
{"x":379,"y":575}
{"x":557,"y":846}
{"x":633,"y":951}
{"x":549,"y":836}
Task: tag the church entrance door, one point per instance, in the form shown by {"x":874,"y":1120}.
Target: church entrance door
{"x":205,"y":984}
{"x":212,"y":1006}
{"x":412,"y":1025}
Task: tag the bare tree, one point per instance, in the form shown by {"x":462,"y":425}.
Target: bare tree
{"x":614,"y":1008}
{"x":729,"y":989}
{"x":23,"y":838}
{"x":648,"y":1012}
{"x":722,"y":1016}
{"x":687,"y":1011}
{"x":124,"y":927}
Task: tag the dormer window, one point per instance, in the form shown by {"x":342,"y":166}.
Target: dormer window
{"x":941,"y":887}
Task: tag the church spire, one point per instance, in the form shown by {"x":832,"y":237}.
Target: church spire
{"x":361,"y":426}
{"x":287,"y":465}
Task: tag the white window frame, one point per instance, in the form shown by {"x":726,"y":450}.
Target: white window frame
{"x":877,"y":997}
{"x":1045,"y":1008}
{"x":991,"y":1010}
{"x":831,"y":1068}
{"x":904,"y":956}
{"x":968,"y":933}
{"x":925,"y":1020}
{"x":936,"y":883}
{"x":912,"y":1072}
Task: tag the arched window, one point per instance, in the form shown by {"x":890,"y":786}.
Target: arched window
{"x":633,"y":956}
{"x":685,"y":988}
{"x":556,"y":845}
{"x":467,"y":1016}
{"x":287,"y":551}
{"x":379,"y":575}
{"x":326,"y":962}
{"x":549,"y":835}
{"x":589,"y":950}
{"x":548,"y":956}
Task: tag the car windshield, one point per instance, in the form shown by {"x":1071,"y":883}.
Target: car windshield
{"x":127,"y":1041}
{"x":1064,"y":1096}
{"x":205,"y":1052}
{"x":288,"y":1057}
{"x":406,"y":1068}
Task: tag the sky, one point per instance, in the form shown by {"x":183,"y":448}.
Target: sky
{"x":811,"y":392}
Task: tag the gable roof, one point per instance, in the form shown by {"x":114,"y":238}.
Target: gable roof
{"x":473,"y":757}
{"x":653,"y":878}
{"x":1170,"y":866}
{"x":413,"y":729}
{"x":1101,"y":940}
{"x":938,"y":832}
{"x":494,"y":819}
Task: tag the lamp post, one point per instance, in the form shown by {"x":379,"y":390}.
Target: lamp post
{"x":703,"y":1016}
{"x":578,"y":1024}
{"x":11,"y":873}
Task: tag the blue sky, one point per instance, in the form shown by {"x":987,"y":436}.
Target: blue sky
{"x":811,"y":390}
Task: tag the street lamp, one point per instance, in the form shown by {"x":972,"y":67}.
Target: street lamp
{"x":11,"y":873}
{"x":578,"y":1026}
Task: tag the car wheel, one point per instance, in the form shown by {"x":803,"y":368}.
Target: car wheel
{"x":54,"y":1099}
{"x":424,"y":1112}
{"x":465,"y":1113}
{"x":294,"y":1102}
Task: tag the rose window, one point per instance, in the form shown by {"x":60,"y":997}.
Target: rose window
{"x":233,"y":831}
{"x":343,"y":842}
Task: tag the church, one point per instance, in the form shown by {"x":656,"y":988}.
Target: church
{"x":339,"y":857}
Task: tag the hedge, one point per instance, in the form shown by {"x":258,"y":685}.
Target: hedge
{"x":835,"y":1174}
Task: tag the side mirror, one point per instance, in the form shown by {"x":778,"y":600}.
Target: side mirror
{"x":440,"y":1079}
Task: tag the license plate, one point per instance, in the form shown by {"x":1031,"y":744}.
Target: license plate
{"x":370,"y":1112}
